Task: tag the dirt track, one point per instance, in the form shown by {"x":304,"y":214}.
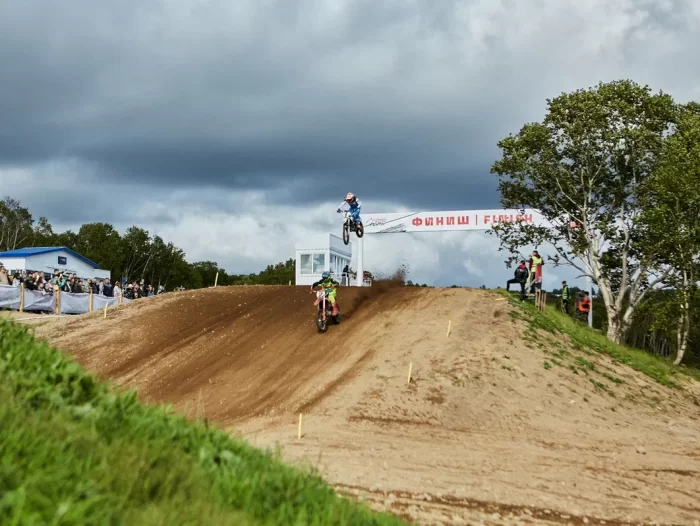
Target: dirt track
{"x":483,"y":434}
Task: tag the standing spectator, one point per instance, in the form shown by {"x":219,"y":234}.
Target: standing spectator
{"x":19,"y":278}
{"x":584,"y":306}
{"x":565,"y":297}
{"x":536,"y":263}
{"x":4,"y":279}
{"x":30,"y":281}
{"x":117,"y":290}
{"x":107,"y":289}
{"x":40,"y":283}
{"x":519,"y":278}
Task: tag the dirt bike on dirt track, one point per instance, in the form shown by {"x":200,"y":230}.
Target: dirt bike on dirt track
{"x":325,"y":311}
{"x":349,"y":225}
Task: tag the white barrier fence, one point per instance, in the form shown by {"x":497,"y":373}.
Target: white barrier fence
{"x":18,"y":298}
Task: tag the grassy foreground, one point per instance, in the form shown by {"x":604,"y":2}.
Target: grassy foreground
{"x":588,"y":340}
{"x":74,"y":451}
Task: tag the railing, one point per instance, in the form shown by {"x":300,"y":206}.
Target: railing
{"x":20,"y":299}
{"x":351,"y":281}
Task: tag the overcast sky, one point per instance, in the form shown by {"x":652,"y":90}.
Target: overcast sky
{"x":234,"y":128}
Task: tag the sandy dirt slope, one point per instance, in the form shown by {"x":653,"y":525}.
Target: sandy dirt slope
{"x":485,"y":432}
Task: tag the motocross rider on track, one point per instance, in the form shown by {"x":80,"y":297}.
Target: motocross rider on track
{"x":354,"y":206}
{"x":327,"y":282}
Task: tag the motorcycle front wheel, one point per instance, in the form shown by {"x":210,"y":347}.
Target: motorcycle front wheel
{"x":346,"y":233}
{"x":321,"y":324}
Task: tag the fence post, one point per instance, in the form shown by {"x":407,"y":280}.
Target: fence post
{"x":58,"y":300}
{"x":90,"y":302}
{"x":21,"y":296}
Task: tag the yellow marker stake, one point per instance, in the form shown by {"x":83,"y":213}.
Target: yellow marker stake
{"x":410,"y":367}
{"x":449,"y":326}
{"x":105,"y":314}
{"x":299,"y":431}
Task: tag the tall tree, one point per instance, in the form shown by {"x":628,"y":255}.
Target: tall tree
{"x":101,"y":243}
{"x":586,"y":163}
{"x":43,"y":235}
{"x":136,"y":252}
{"x":672,"y":215}
{"x":15,"y":225}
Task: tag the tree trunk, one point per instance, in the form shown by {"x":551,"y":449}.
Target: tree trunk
{"x":616,"y":328}
{"x":682,"y":333}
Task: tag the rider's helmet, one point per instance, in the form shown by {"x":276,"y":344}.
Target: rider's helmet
{"x":349,"y":197}
{"x":325,"y":274}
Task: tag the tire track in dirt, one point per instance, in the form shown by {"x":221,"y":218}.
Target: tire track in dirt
{"x":506,"y":512}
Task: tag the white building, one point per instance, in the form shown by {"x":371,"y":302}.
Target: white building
{"x":318,"y":253}
{"x":48,"y":259}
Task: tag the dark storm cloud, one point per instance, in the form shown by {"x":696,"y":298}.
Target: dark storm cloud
{"x":399,"y":101}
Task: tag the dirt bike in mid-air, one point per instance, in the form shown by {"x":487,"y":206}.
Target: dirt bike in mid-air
{"x":349,"y":225}
{"x":325,"y":311}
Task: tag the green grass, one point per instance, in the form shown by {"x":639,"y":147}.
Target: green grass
{"x":75,"y":451}
{"x":589,"y":342}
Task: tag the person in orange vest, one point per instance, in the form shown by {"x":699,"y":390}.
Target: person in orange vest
{"x":584,"y":305}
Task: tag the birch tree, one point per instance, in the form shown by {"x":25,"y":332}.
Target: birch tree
{"x":586,"y":163}
{"x":672,"y":215}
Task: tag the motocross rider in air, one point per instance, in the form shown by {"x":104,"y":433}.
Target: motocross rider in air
{"x":354,"y":206}
{"x":327,"y":282}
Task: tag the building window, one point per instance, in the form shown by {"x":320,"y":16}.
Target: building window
{"x":306,"y":264}
{"x":319,"y":263}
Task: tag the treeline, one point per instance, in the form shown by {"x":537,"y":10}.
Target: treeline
{"x":615,"y":170}
{"x":280,"y":274}
{"x":133,"y":255}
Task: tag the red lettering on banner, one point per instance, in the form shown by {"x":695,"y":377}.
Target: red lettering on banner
{"x":439,"y":221}
{"x":417,"y":221}
{"x":463,"y":220}
{"x":428,"y":221}
{"x":450,"y":220}
{"x":527,"y":218}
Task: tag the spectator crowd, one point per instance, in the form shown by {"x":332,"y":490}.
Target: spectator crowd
{"x":69,"y":282}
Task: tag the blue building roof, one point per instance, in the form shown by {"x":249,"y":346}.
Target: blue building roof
{"x":33,"y":251}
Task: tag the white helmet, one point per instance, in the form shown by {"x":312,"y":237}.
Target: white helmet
{"x":349,"y":196}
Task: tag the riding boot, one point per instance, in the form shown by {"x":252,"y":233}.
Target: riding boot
{"x":335,"y":309}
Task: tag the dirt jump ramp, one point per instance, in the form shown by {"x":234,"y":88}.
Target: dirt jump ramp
{"x":237,"y":351}
{"x":498,"y":424}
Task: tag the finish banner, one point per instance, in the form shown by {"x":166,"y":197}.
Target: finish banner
{"x":446,"y":221}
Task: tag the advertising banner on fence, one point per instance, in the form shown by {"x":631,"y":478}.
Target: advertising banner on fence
{"x":40,"y":301}
{"x":9,"y":297}
{"x":445,"y":221}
